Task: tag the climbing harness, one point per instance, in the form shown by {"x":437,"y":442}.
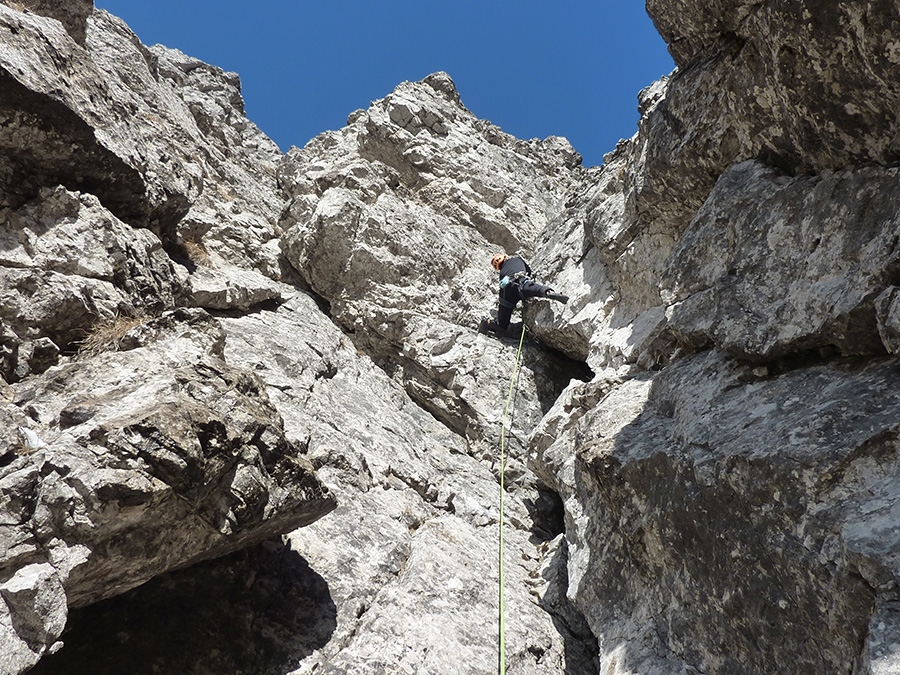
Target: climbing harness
{"x":509,"y":399}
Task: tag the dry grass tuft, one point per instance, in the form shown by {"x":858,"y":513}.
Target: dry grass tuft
{"x":107,"y":335}
{"x":196,"y":252}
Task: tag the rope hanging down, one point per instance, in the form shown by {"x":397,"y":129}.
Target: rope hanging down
{"x":509,"y":399}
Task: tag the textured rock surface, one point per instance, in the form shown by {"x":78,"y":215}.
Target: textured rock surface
{"x":72,"y":15}
{"x":32,"y":615}
{"x":773,"y":265}
{"x":336,"y":405}
{"x":718,"y":498}
{"x":158,"y":137}
{"x":806,"y":86}
{"x":393,"y":221}
{"x":718,"y":511}
{"x":154,"y":458}
{"x":50,"y":294}
{"x":410,"y":553}
{"x":730,"y":508}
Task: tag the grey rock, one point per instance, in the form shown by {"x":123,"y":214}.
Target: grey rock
{"x":887,"y":310}
{"x":235,"y":216}
{"x":773,"y":265}
{"x":413,"y":580}
{"x":73,"y":15}
{"x":394,"y":223}
{"x":32,"y":615}
{"x":765,"y":80}
{"x":385,"y":197}
{"x":160,"y":138}
{"x":726,"y":508}
{"x":718,"y":497}
{"x":230,"y":287}
{"x":49,"y":136}
{"x":53,"y":299}
{"x":881,"y":653}
{"x":36,"y":357}
{"x":796,"y":270}
{"x":609,"y":256}
{"x":155,"y":458}
{"x":156,"y":429}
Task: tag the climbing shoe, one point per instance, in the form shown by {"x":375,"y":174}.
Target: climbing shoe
{"x":558,"y":296}
{"x":483,"y":326}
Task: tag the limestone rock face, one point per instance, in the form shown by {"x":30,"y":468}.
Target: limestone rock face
{"x":410,"y":553}
{"x":805,"y":86}
{"x":253,"y":380}
{"x":72,"y":15}
{"x":413,"y":197}
{"x":731,"y":508}
{"x":151,"y":458}
{"x":393,"y":220}
{"x":737,"y":299}
{"x":805,"y":257}
{"x":66,"y":265}
{"x":404,"y":571}
{"x":154,"y":134}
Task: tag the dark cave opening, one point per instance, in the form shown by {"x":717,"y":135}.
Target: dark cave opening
{"x":258,"y":611}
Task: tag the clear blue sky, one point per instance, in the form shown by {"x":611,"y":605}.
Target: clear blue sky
{"x":534,"y":68}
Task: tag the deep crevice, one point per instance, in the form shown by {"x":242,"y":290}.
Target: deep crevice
{"x":547,"y":515}
{"x":581,"y":648}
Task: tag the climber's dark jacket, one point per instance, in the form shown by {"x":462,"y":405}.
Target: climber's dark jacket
{"x":516,"y":284}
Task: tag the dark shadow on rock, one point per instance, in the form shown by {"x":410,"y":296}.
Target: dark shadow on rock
{"x":580,"y":646}
{"x":62,"y":149}
{"x":547,"y":515}
{"x":256,"y":612}
{"x":724,"y":505}
{"x":553,"y":371}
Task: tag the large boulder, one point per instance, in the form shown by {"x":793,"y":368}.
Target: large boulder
{"x":774,"y":266}
{"x":138,"y":461}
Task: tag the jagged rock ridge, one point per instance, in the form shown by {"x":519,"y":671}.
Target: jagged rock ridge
{"x":238,"y":408}
{"x":261,"y":345}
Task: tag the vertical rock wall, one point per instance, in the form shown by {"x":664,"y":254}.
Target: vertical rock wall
{"x":735,"y":296}
{"x":185,"y":356}
{"x":129,"y":446}
{"x":207,"y":344}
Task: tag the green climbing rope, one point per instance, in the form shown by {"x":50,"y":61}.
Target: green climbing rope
{"x":509,"y":398}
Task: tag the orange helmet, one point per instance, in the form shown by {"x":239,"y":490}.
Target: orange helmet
{"x":498,"y":259}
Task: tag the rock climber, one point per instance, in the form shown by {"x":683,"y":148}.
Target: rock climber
{"x":516,"y":284}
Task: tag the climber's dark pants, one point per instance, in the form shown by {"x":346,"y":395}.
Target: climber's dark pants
{"x":510,"y":296}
